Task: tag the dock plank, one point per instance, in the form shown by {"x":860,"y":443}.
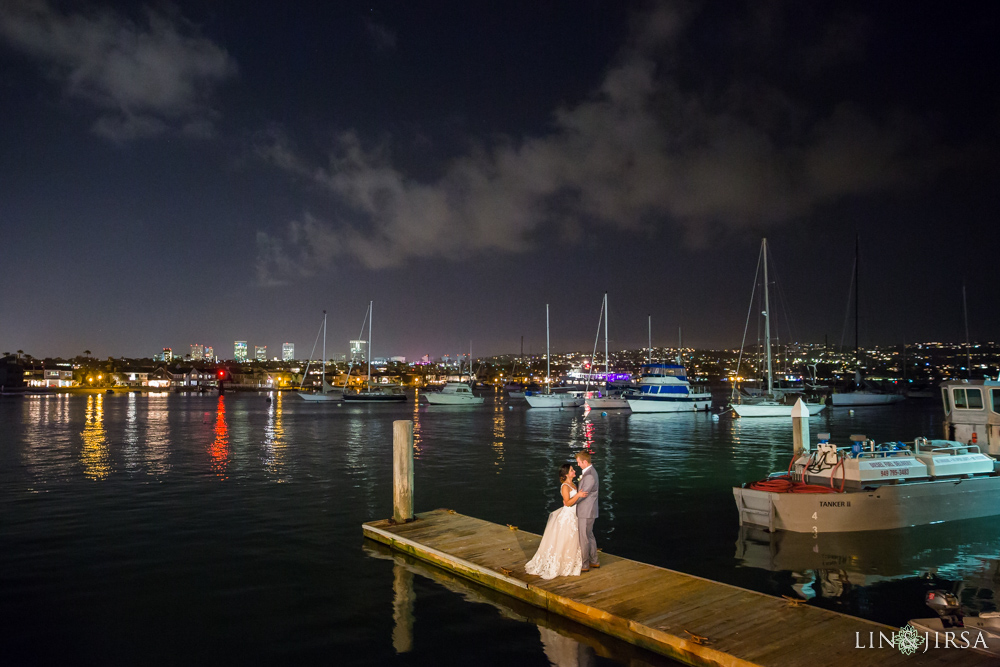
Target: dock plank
{"x":650,"y":606}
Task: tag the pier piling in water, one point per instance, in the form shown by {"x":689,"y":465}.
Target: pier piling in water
{"x":800,"y":428}
{"x":402,"y":470}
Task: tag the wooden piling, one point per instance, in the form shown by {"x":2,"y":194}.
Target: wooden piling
{"x":402,"y":470}
{"x":800,"y":428}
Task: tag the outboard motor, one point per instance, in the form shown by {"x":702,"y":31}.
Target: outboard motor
{"x":947,"y":607}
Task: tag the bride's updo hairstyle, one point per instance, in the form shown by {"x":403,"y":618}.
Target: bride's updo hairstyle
{"x":564,"y":471}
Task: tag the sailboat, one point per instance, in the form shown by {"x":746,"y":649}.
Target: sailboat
{"x":546,"y":398}
{"x":611,"y":397}
{"x":326,"y":392}
{"x":863,"y":393}
{"x":374,"y":392}
{"x":769,"y":404}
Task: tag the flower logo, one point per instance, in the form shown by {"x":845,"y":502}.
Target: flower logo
{"x":908,"y":640}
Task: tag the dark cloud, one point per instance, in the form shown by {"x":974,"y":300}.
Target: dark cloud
{"x":382,"y":37}
{"x":645,"y":149}
{"x":143,"y":78}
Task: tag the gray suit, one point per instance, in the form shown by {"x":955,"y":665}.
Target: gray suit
{"x":586,"y":512}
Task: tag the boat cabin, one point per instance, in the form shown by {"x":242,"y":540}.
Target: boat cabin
{"x":972,"y":413}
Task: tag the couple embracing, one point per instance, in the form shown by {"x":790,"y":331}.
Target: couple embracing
{"x":568,"y":546}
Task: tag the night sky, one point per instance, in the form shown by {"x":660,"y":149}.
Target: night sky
{"x":202,"y":172}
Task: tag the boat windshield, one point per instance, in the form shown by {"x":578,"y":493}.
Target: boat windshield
{"x":662,"y":370}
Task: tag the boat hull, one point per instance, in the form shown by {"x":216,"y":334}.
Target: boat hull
{"x":375,"y":398}
{"x":689,"y":403}
{"x":607,"y":403}
{"x":751,"y":410}
{"x":884,"y":508}
{"x":322,"y":398}
{"x":554,"y":400}
{"x":437,"y":398}
{"x":856,"y":398}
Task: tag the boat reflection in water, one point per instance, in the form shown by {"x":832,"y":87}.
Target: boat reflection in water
{"x":565,"y":643}
{"x":848,"y":570}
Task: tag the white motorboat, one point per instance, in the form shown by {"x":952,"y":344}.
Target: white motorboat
{"x":453,"y":393}
{"x":773,"y":402}
{"x":606,"y":400}
{"x":327,"y":392}
{"x":547,"y":398}
{"x":665,"y":388}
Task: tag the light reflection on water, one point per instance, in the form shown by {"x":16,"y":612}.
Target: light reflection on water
{"x":215,"y":522}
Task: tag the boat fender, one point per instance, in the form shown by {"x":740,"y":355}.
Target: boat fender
{"x":855,"y":449}
{"x":604,"y":414}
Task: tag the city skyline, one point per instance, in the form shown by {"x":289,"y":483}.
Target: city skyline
{"x":464,"y":166}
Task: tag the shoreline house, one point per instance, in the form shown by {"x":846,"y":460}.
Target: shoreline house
{"x":11,"y":373}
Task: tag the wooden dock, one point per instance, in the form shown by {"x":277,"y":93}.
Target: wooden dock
{"x":687,"y":618}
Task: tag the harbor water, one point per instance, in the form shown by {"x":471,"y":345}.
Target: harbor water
{"x":173,"y":528}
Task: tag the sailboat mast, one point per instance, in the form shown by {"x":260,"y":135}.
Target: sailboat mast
{"x":650,"y":324}
{"x":606,"y":336}
{"x":322,"y":381}
{"x":370,"y":316}
{"x":968,"y":347}
{"x":857,"y":261}
{"x":548,"y":355}
{"x":767,"y":325}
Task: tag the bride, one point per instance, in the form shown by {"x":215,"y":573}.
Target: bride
{"x":559,"y":553}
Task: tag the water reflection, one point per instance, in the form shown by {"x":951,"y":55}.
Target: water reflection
{"x":130,"y":438}
{"x":95,"y":456}
{"x":157,"y":441}
{"x":219,"y":450}
{"x":48,"y":436}
{"x":499,"y":433}
{"x":273,"y":455}
{"x":416,"y":425}
{"x":833,"y":566}
{"x":563,"y":642}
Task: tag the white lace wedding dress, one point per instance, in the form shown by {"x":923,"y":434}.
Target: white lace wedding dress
{"x":559,"y":553}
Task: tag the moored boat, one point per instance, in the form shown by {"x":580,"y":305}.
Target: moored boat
{"x":972,"y":412}
{"x":326,"y":392}
{"x":453,"y":393}
{"x":665,"y":388}
{"x":868,"y":487}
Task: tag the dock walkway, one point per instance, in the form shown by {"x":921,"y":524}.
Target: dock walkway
{"x":687,"y":618}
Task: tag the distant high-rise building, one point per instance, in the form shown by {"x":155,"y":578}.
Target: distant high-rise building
{"x":209,"y":353}
{"x":288,"y":351}
{"x":168,"y":354}
{"x":260,"y":352}
{"x":241,"y":351}
{"x":197,"y":352}
{"x":358,"y":348}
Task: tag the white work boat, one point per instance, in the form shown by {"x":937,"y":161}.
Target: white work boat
{"x":972,"y":412}
{"x":873,"y":487}
{"x":453,"y":393}
{"x":772,"y":403}
{"x":547,"y":398}
{"x":327,"y":392}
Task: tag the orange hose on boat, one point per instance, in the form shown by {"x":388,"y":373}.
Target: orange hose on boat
{"x":786,"y":484}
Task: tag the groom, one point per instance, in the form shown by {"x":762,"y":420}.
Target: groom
{"x":586,"y":511}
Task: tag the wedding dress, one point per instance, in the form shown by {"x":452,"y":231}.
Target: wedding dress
{"x":559,"y":553}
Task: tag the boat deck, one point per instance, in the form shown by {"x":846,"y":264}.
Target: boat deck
{"x":687,"y":618}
